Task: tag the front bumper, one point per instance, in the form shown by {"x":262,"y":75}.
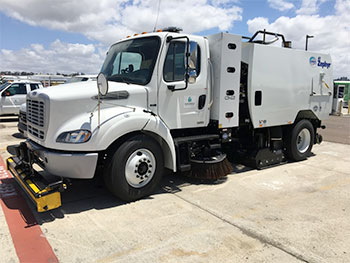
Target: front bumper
{"x":22,"y":128}
{"x":44,"y":187}
{"x":75,"y":165}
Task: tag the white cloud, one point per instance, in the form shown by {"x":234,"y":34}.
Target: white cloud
{"x":331,"y":33}
{"x":106,"y":21}
{"x":309,"y":7}
{"x":109,"y":20}
{"x":280,"y":5}
{"x":58,"y":57}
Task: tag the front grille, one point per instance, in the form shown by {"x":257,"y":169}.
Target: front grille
{"x":36,"y":118}
{"x":35,"y":112}
{"x":36,"y":132}
{"x":22,"y":117}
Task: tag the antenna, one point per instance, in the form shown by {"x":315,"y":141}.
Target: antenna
{"x":155,"y":25}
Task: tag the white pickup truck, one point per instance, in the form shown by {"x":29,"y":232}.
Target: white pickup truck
{"x":13,"y":95}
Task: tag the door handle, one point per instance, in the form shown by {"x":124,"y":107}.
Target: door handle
{"x":201,"y":101}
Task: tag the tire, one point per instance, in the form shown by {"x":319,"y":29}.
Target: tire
{"x":135,"y":168}
{"x":300,"y":140}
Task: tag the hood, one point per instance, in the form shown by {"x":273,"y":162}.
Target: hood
{"x":63,"y":103}
{"x":82,"y":96}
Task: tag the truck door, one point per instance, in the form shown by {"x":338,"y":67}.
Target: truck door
{"x":180,"y":105}
{"x":12,"y":98}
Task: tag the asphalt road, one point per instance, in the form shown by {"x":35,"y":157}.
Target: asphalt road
{"x":337,"y":129}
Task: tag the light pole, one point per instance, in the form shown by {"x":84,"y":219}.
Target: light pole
{"x":307,"y":40}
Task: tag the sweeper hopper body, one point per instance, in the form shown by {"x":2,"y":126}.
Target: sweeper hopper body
{"x":176,"y":101}
{"x":279,"y":84}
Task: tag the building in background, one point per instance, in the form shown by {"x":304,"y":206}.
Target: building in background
{"x":341,"y":94}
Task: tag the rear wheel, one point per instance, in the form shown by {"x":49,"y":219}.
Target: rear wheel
{"x":135,"y":169}
{"x":300,"y":140}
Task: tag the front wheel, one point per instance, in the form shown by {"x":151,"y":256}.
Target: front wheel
{"x":135,"y":169}
{"x":300,"y":140}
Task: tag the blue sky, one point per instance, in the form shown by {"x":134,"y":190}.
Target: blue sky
{"x":22,"y":34}
{"x":16,"y":35}
{"x":31,"y":27}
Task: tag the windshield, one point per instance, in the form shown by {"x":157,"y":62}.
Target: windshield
{"x":132,"y":61}
{"x":3,"y":86}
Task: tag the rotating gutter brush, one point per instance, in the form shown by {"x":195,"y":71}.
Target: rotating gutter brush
{"x":209,"y":168}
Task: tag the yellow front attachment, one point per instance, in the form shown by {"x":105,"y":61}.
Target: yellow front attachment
{"x":43,"y":201}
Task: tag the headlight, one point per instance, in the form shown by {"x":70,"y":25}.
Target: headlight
{"x":78,"y":136}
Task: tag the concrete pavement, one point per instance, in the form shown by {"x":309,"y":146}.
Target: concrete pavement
{"x":296,"y":212}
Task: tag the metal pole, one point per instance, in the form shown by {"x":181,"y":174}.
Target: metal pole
{"x":307,"y":40}
{"x":306,"y":43}
{"x":348,"y":98}
{"x":99,"y":108}
{"x":264,"y":36}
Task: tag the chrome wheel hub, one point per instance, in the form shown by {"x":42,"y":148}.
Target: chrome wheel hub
{"x":303,"y":140}
{"x":140,"y":168}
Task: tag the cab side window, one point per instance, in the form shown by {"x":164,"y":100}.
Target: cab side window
{"x":17,"y":89}
{"x":34,"y":86}
{"x":174,"y":66}
{"x":175,"y":61}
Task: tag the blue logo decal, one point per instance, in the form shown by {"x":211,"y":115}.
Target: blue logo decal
{"x":312,"y":61}
{"x":323,"y":64}
{"x":189,"y":99}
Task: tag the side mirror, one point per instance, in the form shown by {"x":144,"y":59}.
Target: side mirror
{"x":192,"y":63}
{"x":102,"y":84}
{"x":6,"y":93}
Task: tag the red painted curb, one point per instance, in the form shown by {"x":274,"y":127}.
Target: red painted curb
{"x":30,"y":243}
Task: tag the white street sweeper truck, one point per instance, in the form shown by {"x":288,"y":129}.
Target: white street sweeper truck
{"x":177,"y":101}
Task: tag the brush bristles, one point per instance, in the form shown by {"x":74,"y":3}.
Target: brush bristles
{"x":210,"y":171}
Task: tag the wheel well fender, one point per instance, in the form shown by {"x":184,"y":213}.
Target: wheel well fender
{"x":119,"y":126}
{"x":310,"y":116}
{"x":305,"y":114}
{"x":157,"y":129}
